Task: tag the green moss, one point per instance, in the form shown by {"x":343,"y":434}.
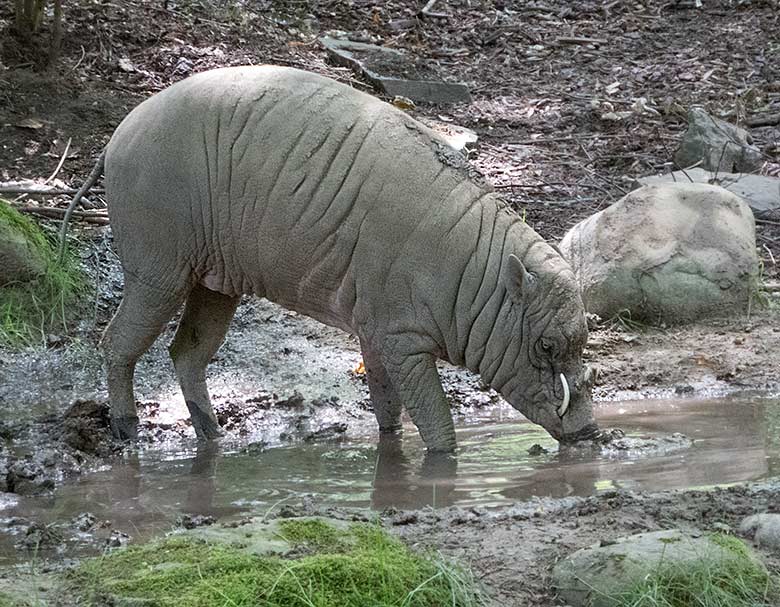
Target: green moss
{"x":738,"y":581}
{"x":314,"y":534}
{"x":30,"y":310}
{"x":731,"y":543}
{"x":362,"y":566}
{"x":7,"y":600}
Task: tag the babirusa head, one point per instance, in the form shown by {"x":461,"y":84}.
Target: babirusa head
{"x":542,"y":373}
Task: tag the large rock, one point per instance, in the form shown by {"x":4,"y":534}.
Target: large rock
{"x":668,"y":253}
{"x":716,"y":145}
{"x":596,"y":576}
{"x":21,"y":259}
{"x":764,"y":529}
{"x":761,"y":193}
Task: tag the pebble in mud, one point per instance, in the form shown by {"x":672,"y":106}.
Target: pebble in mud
{"x":614,"y":443}
{"x":117,"y":539}
{"x":188,"y":521}
{"x":26,"y":477}
{"x":85,"y":521}
{"x":38,"y":535}
{"x":536,"y":449}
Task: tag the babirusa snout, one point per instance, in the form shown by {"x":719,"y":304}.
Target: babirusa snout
{"x":566,"y":396}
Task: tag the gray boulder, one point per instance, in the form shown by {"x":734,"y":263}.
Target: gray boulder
{"x":668,"y":253}
{"x":717,"y":145}
{"x":596,"y":576}
{"x":764,"y":529}
{"x":760,"y":192}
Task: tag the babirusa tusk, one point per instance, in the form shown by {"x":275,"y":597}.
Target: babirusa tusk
{"x":566,"y":395}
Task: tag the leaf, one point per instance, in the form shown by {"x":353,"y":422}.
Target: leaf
{"x":403,"y":103}
{"x":126,"y":65}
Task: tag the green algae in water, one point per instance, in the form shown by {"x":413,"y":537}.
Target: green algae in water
{"x":741,"y":581}
{"x":361,"y":566}
{"x":30,"y":310}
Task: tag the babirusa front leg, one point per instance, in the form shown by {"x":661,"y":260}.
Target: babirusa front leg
{"x":384,"y":397}
{"x":417,"y":381}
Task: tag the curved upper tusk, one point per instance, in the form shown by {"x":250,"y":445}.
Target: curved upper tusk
{"x":566,"y":395}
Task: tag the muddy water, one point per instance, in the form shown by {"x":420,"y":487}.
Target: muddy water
{"x":735,"y":440}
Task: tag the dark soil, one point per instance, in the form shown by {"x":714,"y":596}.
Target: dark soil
{"x":541,"y":89}
{"x":545,"y":77}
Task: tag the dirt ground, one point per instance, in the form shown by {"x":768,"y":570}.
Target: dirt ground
{"x":542,"y":76}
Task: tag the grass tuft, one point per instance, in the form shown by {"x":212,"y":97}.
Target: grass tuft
{"x":28,"y":311}
{"x":360,"y":567}
{"x":738,"y":581}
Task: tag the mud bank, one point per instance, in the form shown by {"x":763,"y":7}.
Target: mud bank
{"x":511,"y":550}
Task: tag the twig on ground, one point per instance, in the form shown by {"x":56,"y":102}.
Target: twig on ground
{"x":772,"y":257}
{"x":78,"y":63}
{"x":60,"y":163}
{"x":428,"y":12}
{"x":569,"y":138}
{"x":577,"y":40}
{"x":88,"y":216}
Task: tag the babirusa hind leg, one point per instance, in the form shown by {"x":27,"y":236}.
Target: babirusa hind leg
{"x":140,"y":319}
{"x":201,"y":331}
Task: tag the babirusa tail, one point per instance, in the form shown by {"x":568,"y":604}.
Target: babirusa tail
{"x":97,"y":171}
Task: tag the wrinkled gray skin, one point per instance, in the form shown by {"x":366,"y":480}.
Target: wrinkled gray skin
{"x":293,"y":187}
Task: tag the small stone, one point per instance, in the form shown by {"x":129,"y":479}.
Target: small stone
{"x":683,"y":390}
{"x":404,"y":518}
{"x":117,"y":539}
{"x":85,"y":521}
{"x":196,"y":520}
{"x":39,"y":535}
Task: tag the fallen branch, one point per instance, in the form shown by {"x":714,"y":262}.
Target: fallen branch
{"x":763,"y":120}
{"x":95,"y":217}
{"x":44,"y":191}
{"x":576,"y":40}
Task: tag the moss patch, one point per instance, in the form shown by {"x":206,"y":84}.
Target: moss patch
{"x":741,"y":581}
{"x":30,"y":310}
{"x":361,"y":566}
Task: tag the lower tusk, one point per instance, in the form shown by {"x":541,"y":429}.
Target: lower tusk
{"x":566,"y":395}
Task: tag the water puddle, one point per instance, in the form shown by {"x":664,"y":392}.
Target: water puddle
{"x":735,"y":440}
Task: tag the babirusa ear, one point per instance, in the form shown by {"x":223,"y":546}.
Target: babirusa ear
{"x":518,"y":280}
